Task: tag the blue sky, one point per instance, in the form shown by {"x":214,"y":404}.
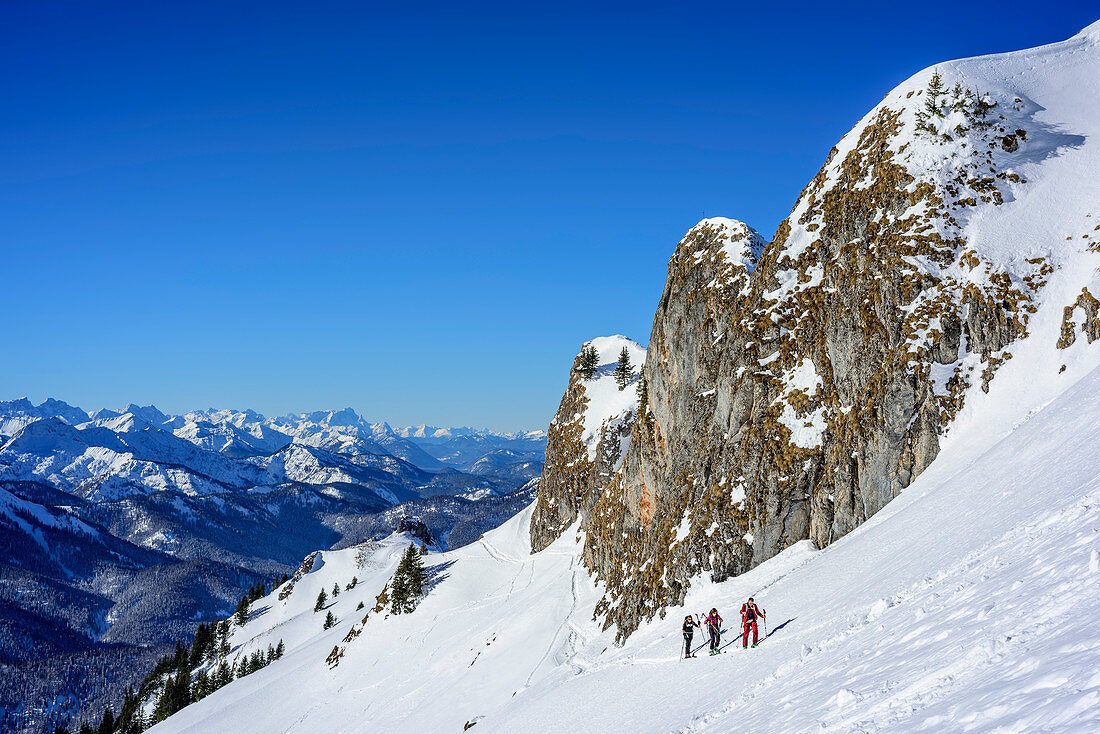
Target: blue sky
{"x":418,"y":211}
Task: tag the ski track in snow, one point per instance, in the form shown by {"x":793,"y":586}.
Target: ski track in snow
{"x":951,"y":600}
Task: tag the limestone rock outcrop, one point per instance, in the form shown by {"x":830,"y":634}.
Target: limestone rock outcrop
{"x":587,"y":438}
{"x":792,"y":390}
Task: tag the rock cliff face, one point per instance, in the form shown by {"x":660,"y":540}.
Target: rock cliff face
{"x":586,"y":439}
{"x":792,"y":390}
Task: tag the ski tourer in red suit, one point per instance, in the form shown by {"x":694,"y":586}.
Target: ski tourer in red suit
{"x":750,"y":613}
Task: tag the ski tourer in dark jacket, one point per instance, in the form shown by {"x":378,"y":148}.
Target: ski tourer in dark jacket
{"x":689,"y":632}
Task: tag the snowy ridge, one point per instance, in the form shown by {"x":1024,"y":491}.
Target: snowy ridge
{"x":606,"y":402}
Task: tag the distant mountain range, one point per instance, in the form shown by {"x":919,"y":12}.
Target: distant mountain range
{"x":108,"y":455}
{"x":123,"y":529}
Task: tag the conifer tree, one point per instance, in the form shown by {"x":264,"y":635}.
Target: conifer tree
{"x":126,"y":723}
{"x":202,"y":644}
{"x":408,"y":581}
{"x":623,"y":370}
{"x":414,"y":573}
{"x":933,"y":93}
{"x":958,"y":98}
{"x":107,"y":724}
{"x":171,"y":700}
{"x":336,"y":590}
{"x":330,"y":620}
{"x":223,"y":638}
{"x":982,"y":107}
{"x":179,"y":657}
{"x":201,"y":687}
{"x":590,"y":360}
{"x":224,"y":675}
{"x":242,"y":611}
{"x":321,"y":599}
{"x":279,"y":649}
{"x":399,"y":589}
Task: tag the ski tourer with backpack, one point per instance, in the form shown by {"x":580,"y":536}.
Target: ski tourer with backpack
{"x":714,"y":627}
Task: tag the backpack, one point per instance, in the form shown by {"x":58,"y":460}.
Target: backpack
{"x":750,"y":613}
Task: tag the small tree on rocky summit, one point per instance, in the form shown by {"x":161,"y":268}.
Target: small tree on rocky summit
{"x":590,"y":360}
{"x":623,"y":370}
{"x":330,"y":620}
{"x":321,"y":599}
{"x":932,"y":107}
{"x":933,"y":93}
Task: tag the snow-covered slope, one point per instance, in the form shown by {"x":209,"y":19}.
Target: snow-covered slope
{"x":968,"y":604}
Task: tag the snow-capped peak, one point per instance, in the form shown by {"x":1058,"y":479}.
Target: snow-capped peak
{"x":740,"y":243}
